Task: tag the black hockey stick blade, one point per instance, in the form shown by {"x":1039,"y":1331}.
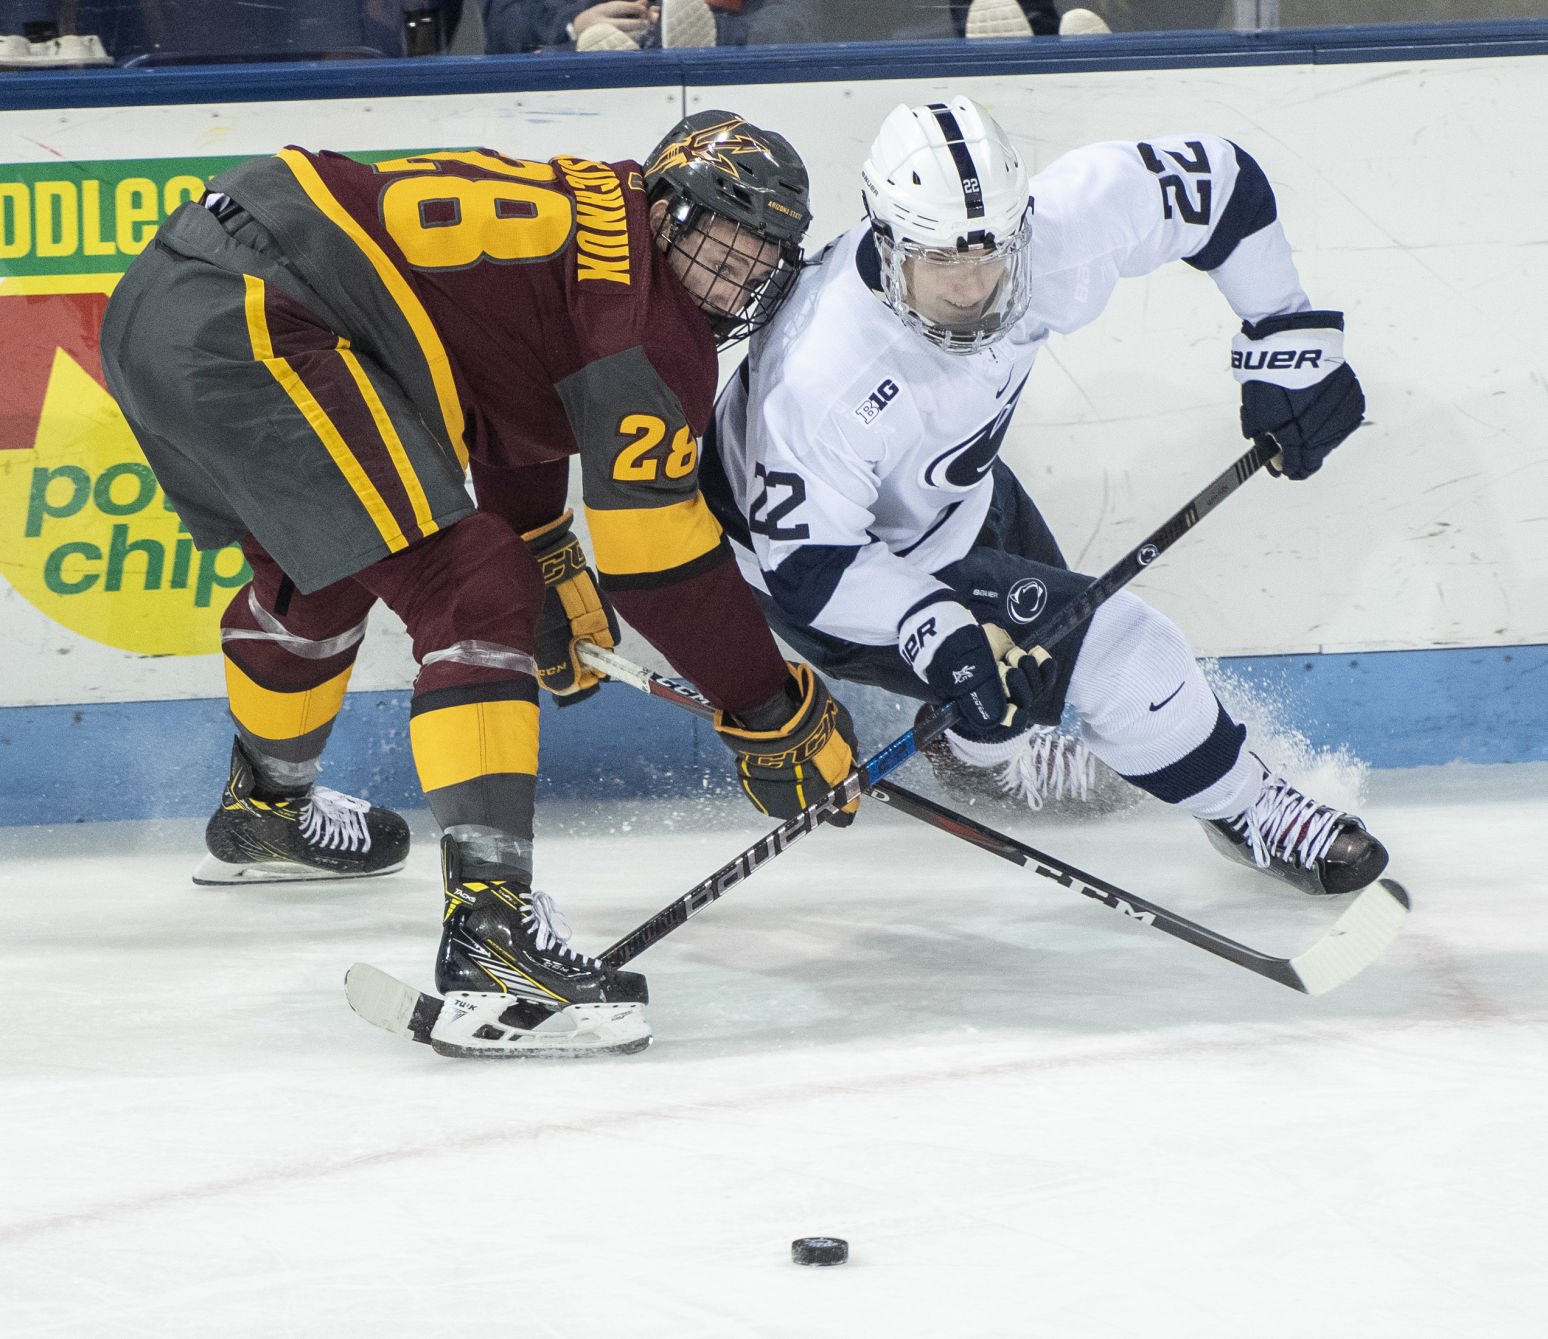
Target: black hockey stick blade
{"x":1360,"y":936}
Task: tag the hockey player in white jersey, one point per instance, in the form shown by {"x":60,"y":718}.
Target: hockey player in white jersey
{"x":854,"y":458}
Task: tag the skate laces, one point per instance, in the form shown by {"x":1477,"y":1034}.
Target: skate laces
{"x":551,"y":932}
{"x":336,"y":821}
{"x":1284,"y":823}
{"x":1049,"y":765}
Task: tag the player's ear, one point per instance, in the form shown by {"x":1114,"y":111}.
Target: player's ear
{"x":658,"y":212}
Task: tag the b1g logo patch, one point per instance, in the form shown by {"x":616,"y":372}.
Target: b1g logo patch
{"x":869,"y":409}
{"x":1027,"y":600}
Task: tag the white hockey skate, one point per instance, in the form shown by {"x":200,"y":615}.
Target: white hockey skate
{"x":1041,"y":769}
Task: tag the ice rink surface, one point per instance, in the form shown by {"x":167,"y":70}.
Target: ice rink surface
{"x":1027,"y":1115}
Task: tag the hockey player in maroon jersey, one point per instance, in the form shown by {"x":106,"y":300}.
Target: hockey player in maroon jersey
{"x":310,"y":359}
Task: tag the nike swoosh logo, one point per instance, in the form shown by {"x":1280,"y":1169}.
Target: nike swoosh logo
{"x":1156,"y":706}
{"x":1006,"y":386}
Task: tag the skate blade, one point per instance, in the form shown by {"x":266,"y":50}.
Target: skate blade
{"x":573,"y":1033}
{"x":214,"y":873}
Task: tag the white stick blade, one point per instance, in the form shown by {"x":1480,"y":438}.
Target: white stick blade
{"x":1362,"y":934}
{"x":381,"y":1000}
{"x":615,"y":666}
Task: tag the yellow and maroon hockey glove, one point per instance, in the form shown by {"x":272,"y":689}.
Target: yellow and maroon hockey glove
{"x":574,"y":609}
{"x":792,"y":748}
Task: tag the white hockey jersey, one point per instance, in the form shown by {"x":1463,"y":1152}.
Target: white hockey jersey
{"x":856,"y":455}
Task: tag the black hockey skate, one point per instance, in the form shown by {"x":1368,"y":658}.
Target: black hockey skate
{"x":315,"y":833}
{"x":1310,"y":846}
{"x":512,"y":984}
{"x":1046,"y":769}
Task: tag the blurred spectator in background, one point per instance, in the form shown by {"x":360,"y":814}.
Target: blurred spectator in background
{"x":1141,"y":16}
{"x":741,"y":22}
{"x":176,"y":31}
{"x":37,"y":19}
{"x":544,"y":25}
{"x":626,"y":25}
{"x":1021,"y":18}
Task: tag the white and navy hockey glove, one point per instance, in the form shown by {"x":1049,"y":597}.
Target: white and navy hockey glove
{"x":1296,"y":387}
{"x":977,"y":667}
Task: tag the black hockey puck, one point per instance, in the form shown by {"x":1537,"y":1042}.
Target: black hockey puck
{"x":819,"y":1250}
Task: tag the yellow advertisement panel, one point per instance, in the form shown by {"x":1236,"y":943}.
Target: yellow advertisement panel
{"x":86,"y":535}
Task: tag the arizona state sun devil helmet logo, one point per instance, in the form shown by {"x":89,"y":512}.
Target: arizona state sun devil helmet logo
{"x":716,"y":145}
{"x":715,"y":168}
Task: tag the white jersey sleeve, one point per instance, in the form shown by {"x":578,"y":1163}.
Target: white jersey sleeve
{"x":1130,"y":207}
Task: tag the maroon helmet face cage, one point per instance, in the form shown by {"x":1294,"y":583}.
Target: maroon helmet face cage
{"x":736,"y":277}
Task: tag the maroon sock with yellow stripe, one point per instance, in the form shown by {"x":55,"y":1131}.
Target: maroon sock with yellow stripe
{"x":284,"y":727}
{"x":288,"y":661}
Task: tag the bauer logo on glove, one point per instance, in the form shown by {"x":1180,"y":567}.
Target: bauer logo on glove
{"x":1297,"y":390}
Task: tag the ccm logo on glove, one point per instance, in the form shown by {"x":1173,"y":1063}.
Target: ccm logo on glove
{"x":792,"y":748}
{"x":574,"y":610}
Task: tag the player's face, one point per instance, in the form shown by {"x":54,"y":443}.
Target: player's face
{"x":951,"y":288}
{"x":721,"y":264}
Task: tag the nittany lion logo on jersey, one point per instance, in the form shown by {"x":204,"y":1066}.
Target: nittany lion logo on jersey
{"x":966,"y":463}
{"x":1026,"y":600}
{"x":717,"y":144}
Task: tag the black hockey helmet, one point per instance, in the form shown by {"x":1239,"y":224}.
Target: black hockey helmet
{"x":714,"y":162}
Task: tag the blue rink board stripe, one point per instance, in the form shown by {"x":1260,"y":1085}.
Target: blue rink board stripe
{"x":167,"y":759}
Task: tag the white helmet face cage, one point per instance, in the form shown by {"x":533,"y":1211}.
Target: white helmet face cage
{"x":947,"y":196}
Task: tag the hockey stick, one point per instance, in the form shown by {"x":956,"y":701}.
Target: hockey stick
{"x":396,"y":1006}
{"x":935,"y":721}
{"x":1360,"y":936}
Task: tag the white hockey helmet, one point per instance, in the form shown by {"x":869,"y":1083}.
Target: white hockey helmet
{"x":947,"y":195}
